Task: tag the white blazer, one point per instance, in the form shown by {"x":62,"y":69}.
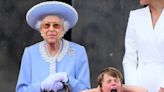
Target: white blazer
{"x":143,"y":62}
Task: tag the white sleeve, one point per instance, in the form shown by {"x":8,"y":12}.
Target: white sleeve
{"x":130,"y":57}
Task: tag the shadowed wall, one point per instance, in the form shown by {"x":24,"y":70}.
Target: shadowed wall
{"x":101,"y":28}
{"x":14,"y":36}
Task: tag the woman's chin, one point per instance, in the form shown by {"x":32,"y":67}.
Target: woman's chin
{"x":143,"y":3}
{"x":51,"y":41}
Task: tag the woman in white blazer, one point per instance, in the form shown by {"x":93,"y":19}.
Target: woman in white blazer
{"x":143,"y":62}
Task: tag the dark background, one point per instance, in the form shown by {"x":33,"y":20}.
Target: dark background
{"x":101,"y":29}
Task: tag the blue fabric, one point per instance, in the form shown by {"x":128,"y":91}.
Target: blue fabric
{"x":34,"y":69}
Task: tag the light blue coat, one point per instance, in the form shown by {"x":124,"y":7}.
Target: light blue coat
{"x":72,"y":60}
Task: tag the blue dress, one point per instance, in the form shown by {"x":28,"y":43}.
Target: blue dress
{"x":36,"y":65}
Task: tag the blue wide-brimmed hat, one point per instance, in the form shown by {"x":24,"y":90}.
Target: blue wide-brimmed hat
{"x":66,"y":11}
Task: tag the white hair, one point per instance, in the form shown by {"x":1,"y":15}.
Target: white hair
{"x":65,"y":23}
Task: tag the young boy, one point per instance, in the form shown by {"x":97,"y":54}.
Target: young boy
{"x":110,"y":80}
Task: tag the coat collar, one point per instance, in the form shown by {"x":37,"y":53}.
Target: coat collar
{"x":60,"y":54}
{"x":160,"y":20}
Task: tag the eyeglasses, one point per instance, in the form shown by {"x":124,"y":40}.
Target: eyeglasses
{"x":54,"y":25}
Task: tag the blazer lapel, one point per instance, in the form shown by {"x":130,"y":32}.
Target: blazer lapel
{"x":160,"y":22}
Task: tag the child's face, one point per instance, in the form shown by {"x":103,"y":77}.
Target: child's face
{"x":110,"y":83}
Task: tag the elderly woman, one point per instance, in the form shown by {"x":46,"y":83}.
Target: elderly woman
{"x":53,"y":62}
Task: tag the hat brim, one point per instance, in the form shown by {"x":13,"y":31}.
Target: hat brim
{"x":61,"y":9}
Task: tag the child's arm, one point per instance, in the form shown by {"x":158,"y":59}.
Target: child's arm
{"x":93,"y":90}
{"x":129,"y":88}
